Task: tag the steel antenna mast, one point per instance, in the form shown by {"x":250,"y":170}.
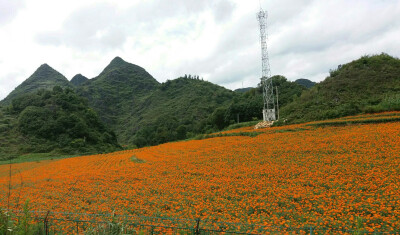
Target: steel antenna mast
{"x":266,"y":81}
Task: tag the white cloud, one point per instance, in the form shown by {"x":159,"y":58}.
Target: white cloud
{"x":216,"y":39}
{"x":9,"y":10}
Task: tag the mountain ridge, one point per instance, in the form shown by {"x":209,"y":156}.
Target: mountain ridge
{"x":78,"y":79}
{"x":45,"y":77}
{"x":142,"y":111}
{"x":368,"y":84}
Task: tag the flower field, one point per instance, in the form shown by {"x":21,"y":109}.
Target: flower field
{"x":292,"y":176}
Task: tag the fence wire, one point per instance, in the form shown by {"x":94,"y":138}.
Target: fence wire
{"x":48,"y":222}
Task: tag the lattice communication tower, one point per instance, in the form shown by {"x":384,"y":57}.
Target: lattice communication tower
{"x":266,"y":81}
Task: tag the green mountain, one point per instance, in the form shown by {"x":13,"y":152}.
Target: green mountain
{"x":242,"y":90}
{"x":78,"y":80}
{"x":57,"y":121}
{"x":141,"y":111}
{"x":132,"y":102}
{"x":175,"y":110}
{"x":45,"y":77}
{"x":305,"y":82}
{"x":369,"y":84}
{"x":117,"y":92}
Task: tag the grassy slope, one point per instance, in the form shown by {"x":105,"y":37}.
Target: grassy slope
{"x":371,"y":83}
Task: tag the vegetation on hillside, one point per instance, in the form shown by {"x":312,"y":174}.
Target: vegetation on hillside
{"x":242,"y":90}
{"x":305,"y":82}
{"x":57,"y":121}
{"x":45,"y":77}
{"x":369,"y":84}
{"x":178,"y":109}
{"x":248,"y":106}
{"x":117,"y":93}
{"x":78,"y":80}
{"x":143,"y":112}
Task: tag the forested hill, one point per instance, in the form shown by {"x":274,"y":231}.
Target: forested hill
{"x":177,"y":109}
{"x":248,"y":106}
{"x":117,"y":91}
{"x":369,"y":84}
{"x":305,"y":82}
{"x":45,"y":77}
{"x":78,"y":80}
{"x":57,"y":121}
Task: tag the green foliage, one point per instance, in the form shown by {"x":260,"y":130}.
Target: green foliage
{"x":33,"y":157}
{"x":352,"y":122}
{"x":57,"y":121}
{"x":369,"y":84}
{"x":117,"y":94}
{"x":208,"y":136}
{"x":19,"y":225}
{"x":218,"y":118}
{"x":242,"y":90}
{"x":78,"y":80}
{"x":4,"y":222}
{"x":248,"y":106}
{"x":44,"y":77}
{"x":305,"y":82}
{"x":168,"y":112}
{"x":241,"y":124}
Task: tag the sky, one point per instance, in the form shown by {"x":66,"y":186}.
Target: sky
{"x":215,"y":39}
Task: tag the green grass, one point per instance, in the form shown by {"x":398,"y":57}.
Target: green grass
{"x":208,"y":136}
{"x":353,"y":122}
{"x":137,"y":160}
{"x":290,"y":130}
{"x":33,"y":157}
{"x":242,"y":124}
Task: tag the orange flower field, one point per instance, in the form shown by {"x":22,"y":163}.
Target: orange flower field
{"x":293,"y":176}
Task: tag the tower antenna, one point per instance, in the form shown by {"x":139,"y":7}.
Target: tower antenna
{"x":266,"y":80}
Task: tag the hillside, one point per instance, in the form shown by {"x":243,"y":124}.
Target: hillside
{"x":242,"y":90}
{"x":248,"y":106}
{"x":56,"y":121}
{"x":177,"y":109}
{"x":369,"y":84}
{"x":78,"y":80}
{"x":45,"y":77}
{"x":144,"y":112}
{"x":305,"y":82}
{"x":117,"y":91}
{"x":10,"y":138}
{"x":141,"y":111}
{"x":306,"y":178}
{"x":133,"y":104}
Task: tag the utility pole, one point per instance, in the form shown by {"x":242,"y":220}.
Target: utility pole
{"x":266,"y":81}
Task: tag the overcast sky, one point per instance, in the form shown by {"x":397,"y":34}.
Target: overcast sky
{"x":215,"y":39}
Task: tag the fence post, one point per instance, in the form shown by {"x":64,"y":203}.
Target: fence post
{"x":311,"y":230}
{"x":45,"y":223}
{"x":197,"y":232}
